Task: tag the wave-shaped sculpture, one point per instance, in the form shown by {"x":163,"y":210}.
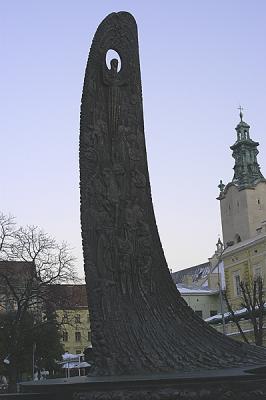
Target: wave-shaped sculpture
{"x":140,"y":323}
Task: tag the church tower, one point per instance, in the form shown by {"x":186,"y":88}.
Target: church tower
{"x":243,"y":201}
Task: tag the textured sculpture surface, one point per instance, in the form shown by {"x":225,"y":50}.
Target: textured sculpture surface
{"x":222,"y":392}
{"x":140,"y":323}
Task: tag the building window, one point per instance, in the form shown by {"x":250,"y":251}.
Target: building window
{"x":237,"y":281}
{"x":257,"y":273}
{"x":65,"y":319}
{"x":237,"y":238}
{"x":77,"y":319}
{"x":259,"y":204}
{"x":213,"y":312}
{"x":199,"y":313}
{"x":77,"y":336}
{"x":65,"y":336}
{"x":89,"y":336}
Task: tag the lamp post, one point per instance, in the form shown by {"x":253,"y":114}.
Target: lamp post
{"x":220,"y":251}
{"x":33,"y":360}
{"x":221,"y":297}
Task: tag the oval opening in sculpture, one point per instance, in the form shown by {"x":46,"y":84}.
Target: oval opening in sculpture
{"x":112,"y":55}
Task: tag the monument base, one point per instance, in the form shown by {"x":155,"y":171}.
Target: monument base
{"x":233,"y":384}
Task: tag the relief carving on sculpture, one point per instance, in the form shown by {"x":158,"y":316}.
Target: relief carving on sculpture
{"x":140,"y":323}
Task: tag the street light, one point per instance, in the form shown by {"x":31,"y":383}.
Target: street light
{"x":220,"y":251}
{"x":33,"y":360}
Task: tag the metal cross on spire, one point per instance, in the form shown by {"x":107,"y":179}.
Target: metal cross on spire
{"x":240,"y":112}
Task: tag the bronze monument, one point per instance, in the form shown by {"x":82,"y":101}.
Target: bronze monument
{"x":140,"y":323}
{"x":147,"y":343}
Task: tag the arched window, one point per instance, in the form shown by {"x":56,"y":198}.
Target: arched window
{"x":237,"y":238}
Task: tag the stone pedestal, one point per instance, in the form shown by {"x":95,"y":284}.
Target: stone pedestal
{"x":233,"y":384}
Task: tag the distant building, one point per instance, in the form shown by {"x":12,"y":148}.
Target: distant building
{"x":244,"y":261}
{"x":193,"y":275}
{"x":204,"y":301}
{"x":72,"y":313}
{"x":243,"y":200}
{"x":243,"y":216}
{"x":68,"y":301}
{"x":199,"y":285}
{"x":207,"y":274}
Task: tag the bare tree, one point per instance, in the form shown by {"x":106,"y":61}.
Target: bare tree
{"x":234,"y":318}
{"x":253,"y":301}
{"x":7,"y":230}
{"x":30,"y":262}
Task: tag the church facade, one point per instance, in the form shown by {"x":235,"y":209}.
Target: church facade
{"x":243,"y":216}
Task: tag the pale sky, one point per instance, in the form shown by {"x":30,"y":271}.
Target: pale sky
{"x":199,"y":61}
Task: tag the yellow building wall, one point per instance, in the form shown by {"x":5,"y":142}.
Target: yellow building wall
{"x":246,"y":260}
{"x":73,"y":322}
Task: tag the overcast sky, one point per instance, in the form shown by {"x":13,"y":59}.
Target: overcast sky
{"x":199,"y":61}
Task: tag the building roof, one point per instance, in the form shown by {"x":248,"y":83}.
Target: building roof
{"x":244,"y":243}
{"x":197,"y":272}
{"x":18,"y":273}
{"x":16,"y":267}
{"x":69,"y":296}
{"x":190,"y":290}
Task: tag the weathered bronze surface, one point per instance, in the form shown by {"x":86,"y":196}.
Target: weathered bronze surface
{"x":148,"y":344}
{"x":140,"y":323}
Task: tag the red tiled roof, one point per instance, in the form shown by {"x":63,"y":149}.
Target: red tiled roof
{"x":69,"y":296}
{"x":15,"y":267}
